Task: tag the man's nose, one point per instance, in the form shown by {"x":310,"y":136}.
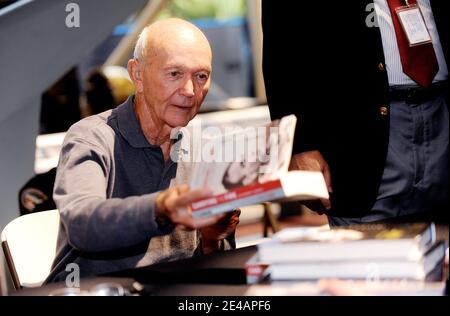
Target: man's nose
{"x":188,"y":88}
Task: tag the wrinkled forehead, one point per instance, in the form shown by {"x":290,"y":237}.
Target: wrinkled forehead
{"x":177,"y":37}
{"x":188,"y":53}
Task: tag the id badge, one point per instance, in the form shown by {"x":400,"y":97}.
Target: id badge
{"x":413,"y":25}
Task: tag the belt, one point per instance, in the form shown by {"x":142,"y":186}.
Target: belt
{"x":416,"y":95}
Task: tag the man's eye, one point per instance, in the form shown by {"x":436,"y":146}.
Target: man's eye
{"x":202,"y":76}
{"x":174,"y":73}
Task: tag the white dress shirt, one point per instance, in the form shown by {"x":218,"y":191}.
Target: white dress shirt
{"x":391,"y":53}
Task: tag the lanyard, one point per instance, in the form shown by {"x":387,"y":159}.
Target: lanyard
{"x":408,"y":4}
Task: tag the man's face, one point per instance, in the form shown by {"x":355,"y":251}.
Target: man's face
{"x":175,"y":81}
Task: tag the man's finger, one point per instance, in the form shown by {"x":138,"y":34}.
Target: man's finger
{"x":183,"y":188}
{"x":207,"y":221}
{"x":326,"y":204}
{"x":170,"y":200}
{"x":186,"y":199}
{"x":327,"y":178}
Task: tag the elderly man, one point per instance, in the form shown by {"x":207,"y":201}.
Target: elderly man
{"x":112,"y":184}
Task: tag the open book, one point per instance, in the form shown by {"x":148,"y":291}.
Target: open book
{"x":244,"y":166}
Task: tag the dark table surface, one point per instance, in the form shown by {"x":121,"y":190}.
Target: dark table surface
{"x":211,"y":275}
{"x":215,"y":274}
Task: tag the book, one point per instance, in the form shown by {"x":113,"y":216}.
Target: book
{"x":358,"y":242}
{"x":370,"y":270}
{"x":293,"y":185}
{"x":244,"y":166}
{"x":255,"y":270}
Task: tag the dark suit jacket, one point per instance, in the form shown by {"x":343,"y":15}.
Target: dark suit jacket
{"x":337,"y":85}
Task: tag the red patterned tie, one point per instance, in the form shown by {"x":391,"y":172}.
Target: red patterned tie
{"x":418,"y":62}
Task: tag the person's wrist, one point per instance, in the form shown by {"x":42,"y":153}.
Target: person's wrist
{"x":160,"y":215}
{"x":159,"y":205}
{"x":211,"y":245}
{"x":162,"y":221}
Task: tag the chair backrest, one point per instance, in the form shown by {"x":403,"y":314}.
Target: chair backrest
{"x":29,"y":245}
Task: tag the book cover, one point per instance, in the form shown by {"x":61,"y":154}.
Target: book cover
{"x":294,"y":185}
{"x":371,"y":270}
{"x":256,"y":270}
{"x":244,"y":166}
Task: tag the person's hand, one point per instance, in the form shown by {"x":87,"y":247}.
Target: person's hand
{"x":446,"y":259}
{"x":313,"y":161}
{"x":31,"y":197}
{"x":212,"y":235}
{"x":173,"y":204}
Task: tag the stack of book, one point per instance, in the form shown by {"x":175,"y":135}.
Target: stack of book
{"x":370,"y":252}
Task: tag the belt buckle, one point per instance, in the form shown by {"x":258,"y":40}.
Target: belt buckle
{"x":413,"y":95}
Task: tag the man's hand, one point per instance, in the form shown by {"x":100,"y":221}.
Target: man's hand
{"x":173,"y":204}
{"x":313,"y":161}
{"x":212,"y":235}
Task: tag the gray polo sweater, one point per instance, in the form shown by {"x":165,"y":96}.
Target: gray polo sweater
{"x":107,"y":179}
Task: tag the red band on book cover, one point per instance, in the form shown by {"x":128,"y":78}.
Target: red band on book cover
{"x":235,"y":194}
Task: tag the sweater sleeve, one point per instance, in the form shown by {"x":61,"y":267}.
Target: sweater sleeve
{"x":93,"y":222}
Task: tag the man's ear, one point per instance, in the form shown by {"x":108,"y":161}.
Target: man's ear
{"x":134,"y":70}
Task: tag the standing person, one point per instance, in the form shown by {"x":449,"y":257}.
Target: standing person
{"x":372,"y":110}
{"x":112,"y":183}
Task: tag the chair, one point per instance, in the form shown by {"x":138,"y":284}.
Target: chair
{"x":29,"y":245}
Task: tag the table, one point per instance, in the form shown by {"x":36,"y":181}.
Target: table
{"x":216,"y":274}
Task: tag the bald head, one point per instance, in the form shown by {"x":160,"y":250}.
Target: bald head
{"x":168,"y":33}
